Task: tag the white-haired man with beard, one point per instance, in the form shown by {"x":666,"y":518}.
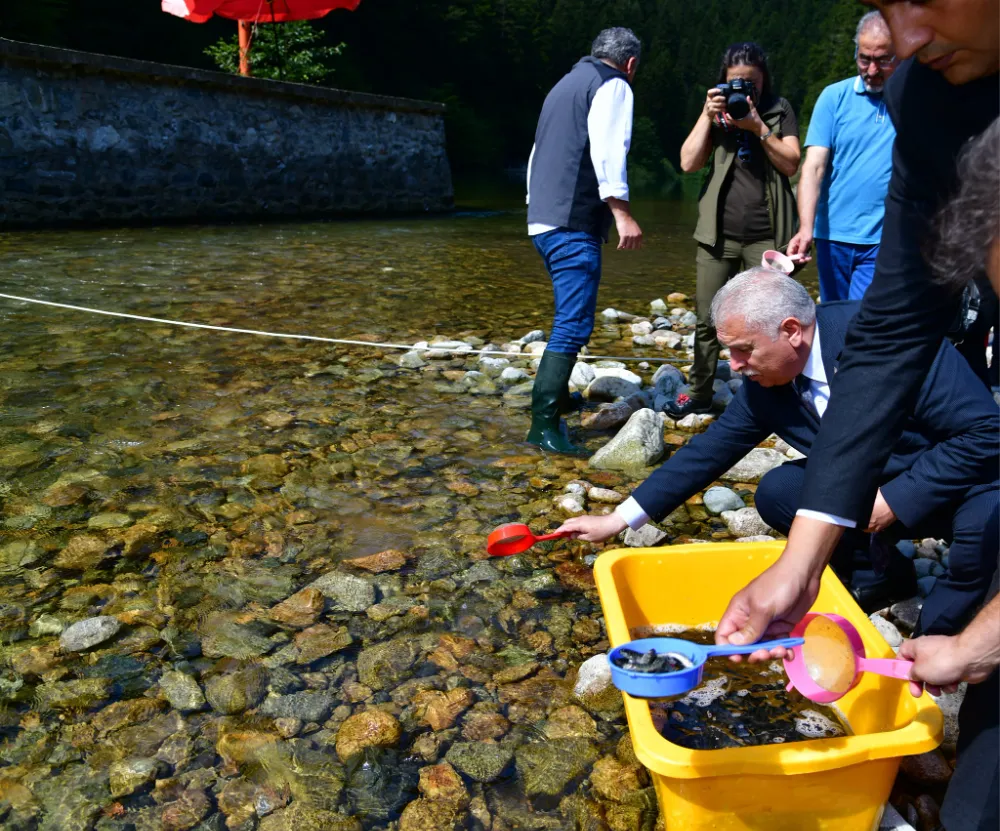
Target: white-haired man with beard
{"x":845,"y":177}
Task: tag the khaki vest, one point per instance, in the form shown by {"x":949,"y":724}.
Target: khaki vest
{"x":780,"y":199}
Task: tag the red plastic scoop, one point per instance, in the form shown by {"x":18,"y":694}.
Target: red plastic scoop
{"x":515,"y":537}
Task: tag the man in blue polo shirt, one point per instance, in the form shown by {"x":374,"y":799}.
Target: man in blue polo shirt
{"x":841,"y":192}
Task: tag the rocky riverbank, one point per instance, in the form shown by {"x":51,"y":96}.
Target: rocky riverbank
{"x":267,"y":605}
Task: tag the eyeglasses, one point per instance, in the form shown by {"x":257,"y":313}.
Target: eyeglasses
{"x":883,"y":61}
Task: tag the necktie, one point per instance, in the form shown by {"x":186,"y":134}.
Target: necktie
{"x":804,"y":390}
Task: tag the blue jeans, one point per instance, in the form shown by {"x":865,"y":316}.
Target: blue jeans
{"x":845,"y":269}
{"x":573,"y":260}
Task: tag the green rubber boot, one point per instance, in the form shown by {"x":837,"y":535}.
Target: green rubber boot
{"x":547,"y":429}
{"x":570,"y":402}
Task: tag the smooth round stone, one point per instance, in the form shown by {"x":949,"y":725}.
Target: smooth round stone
{"x":46,"y":625}
{"x":101,"y":522}
{"x":605,"y":495}
{"x":182,"y":691}
{"x":87,"y":633}
{"x":720,"y":499}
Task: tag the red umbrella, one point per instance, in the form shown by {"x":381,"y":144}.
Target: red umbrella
{"x":279,"y":11}
{"x":250,"y":12}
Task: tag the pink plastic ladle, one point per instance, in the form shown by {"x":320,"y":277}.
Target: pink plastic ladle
{"x":829,"y":663}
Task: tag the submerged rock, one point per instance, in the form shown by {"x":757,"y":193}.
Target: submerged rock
{"x":299,"y":611}
{"x":386,"y":664}
{"x":87,"y":633}
{"x":237,"y":691}
{"x":440,"y":710}
{"x":370,"y":728}
{"x":129,"y":775}
{"x":613,"y":780}
{"x":303,"y":816}
{"x":412,"y":360}
{"x":430,"y":815}
{"x":481,"y":761}
{"x":605,"y":495}
{"x":593,"y":676}
{"x":388,"y":560}
{"x":311,"y":705}
{"x":441,"y":782}
{"x":379,"y":782}
{"x":83,"y":551}
{"x":79,"y":694}
{"x":182,"y":691}
{"x":550,"y":767}
{"x":348,"y":592}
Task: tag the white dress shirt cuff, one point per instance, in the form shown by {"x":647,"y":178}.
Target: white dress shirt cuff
{"x":607,"y":190}
{"x":633,"y":514}
{"x":828,"y":518}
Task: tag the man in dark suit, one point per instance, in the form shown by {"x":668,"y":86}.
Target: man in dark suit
{"x":945,"y":92}
{"x":789,"y":349}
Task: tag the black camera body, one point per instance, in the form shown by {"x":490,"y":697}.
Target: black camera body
{"x":738,"y":92}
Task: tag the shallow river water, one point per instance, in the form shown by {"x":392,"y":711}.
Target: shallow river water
{"x":182,"y":485}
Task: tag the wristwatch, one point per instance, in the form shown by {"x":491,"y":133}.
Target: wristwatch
{"x":767,"y":135}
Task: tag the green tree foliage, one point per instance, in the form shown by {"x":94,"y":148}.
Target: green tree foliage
{"x":41,"y":20}
{"x":280,"y":51}
{"x":493,"y":61}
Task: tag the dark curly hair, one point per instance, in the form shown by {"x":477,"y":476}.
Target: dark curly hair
{"x":747,"y":54}
{"x":967,"y":226}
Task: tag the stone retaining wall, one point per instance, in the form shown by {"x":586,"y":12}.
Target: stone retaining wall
{"x":91,"y":138}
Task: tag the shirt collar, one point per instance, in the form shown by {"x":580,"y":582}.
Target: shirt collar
{"x":814,"y":369}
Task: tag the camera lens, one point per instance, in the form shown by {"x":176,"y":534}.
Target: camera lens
{"x":737,"y":106}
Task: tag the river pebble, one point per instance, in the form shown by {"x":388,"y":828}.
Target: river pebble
{"x":719,"y":499}
{"x":87,"y":633}
{"x":182,"y":691}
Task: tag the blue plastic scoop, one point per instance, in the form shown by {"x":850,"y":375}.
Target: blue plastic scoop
{"x":686,"y":662}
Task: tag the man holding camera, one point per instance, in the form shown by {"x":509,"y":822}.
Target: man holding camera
{"x":576,"y":185}
{"x":845,"y":176}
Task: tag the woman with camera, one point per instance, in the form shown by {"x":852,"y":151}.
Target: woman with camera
{"x":750,"y":138}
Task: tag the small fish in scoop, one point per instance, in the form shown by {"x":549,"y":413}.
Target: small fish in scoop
{"x":629,"y":659}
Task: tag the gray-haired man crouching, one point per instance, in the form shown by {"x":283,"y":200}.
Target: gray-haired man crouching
{"x":787,"y":348}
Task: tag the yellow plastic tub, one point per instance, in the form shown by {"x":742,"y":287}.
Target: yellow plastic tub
{"x":818,"y":785}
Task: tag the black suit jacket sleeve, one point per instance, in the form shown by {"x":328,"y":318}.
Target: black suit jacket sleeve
{"x":955,"y":411}
{"x":895,"y":336}
{"x":703,"y":459}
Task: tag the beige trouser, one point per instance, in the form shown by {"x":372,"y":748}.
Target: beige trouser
{"x":716,"y":267}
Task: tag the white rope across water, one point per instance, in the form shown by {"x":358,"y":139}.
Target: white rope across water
{"x":344,"y":341}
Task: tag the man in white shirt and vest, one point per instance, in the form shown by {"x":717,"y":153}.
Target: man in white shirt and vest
{"x":576,"y":185}
{"x":932,"y":486}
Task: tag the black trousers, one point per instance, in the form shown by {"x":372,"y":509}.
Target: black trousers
{"x":972,"y":802}
{"x":958,"y":593}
